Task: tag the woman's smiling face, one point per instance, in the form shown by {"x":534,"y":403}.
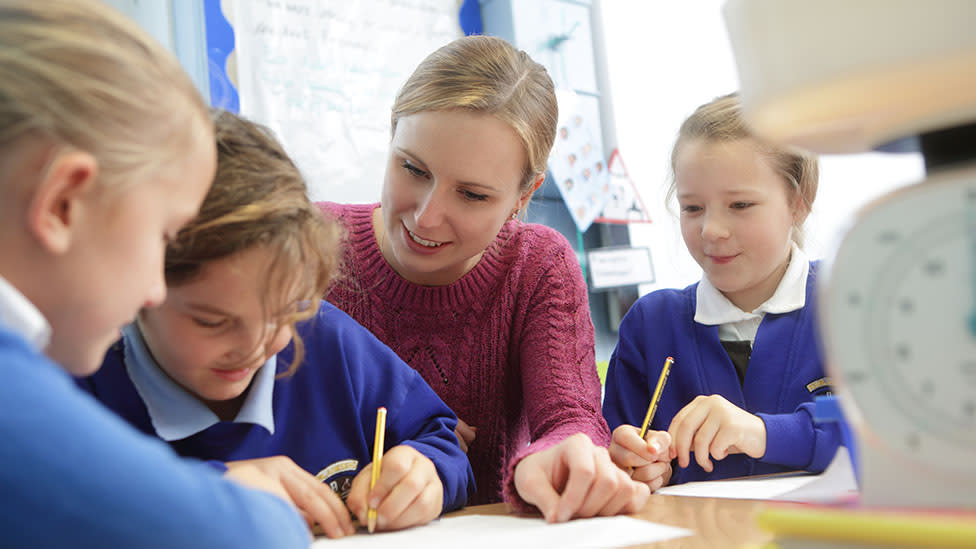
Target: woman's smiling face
{"x":452,"y":180}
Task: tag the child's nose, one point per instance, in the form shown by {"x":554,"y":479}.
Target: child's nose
{"x":714,"y":226}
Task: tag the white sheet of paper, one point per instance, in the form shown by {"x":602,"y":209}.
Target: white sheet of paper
{"x":494,"y":531}
{"x":836,"y":483}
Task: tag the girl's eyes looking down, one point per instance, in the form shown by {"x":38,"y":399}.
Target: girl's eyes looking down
{"x":209,"y":323}
{"x":738,"y":205}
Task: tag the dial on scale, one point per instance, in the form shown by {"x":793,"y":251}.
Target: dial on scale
{"x":898,"y":300}
{"x":898,"y":322}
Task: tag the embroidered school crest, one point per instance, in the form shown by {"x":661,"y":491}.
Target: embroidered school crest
{"x":339,"y":476}
{"x":822,"y":386}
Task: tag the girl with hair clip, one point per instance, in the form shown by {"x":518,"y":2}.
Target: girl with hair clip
{"x":241,"y":364}
{"x":491,"y":311}
{"x":105,"y":152}
{"x":747,"y":360}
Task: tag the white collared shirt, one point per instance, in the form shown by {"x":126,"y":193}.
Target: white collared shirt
{"x":20,"y":316}
{"x":734,"y":324}
{"x":176,"y":413}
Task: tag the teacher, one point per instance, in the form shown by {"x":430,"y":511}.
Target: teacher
{"x":491,"y":311}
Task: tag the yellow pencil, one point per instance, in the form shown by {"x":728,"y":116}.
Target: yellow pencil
{"x":377,"y":462}
{"x":657,"y":395}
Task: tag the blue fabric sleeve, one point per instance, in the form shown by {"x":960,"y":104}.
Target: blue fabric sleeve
{"x":416,"y":416}
{"x":625,"y":398}
{"x":796,"y":440}
{"x":433,"y":436}
{"x":217,"y":465}
{"x":74,"y":474}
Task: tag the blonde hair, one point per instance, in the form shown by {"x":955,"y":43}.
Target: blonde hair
{"x":259,"y":198}
{"x":720,"y":120}
{"x":84,"y":76}
{"x":485,"y":74}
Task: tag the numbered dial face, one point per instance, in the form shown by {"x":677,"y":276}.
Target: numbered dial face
{"x":898,"y":320}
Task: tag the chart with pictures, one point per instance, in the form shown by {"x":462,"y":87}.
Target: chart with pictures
{"x":577,"y":162}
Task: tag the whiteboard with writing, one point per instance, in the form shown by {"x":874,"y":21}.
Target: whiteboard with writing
{"x":323,"y":75}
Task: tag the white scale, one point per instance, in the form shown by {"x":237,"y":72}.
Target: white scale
{"x":898,"y":300}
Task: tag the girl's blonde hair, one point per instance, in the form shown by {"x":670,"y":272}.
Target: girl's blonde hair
{"x":259,"y":198}
{"x":84,"y":76}
{"x":485,"y":74}
{"x":720,"y":120}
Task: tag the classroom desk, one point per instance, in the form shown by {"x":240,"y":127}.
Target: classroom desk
{"x":717,"y":523}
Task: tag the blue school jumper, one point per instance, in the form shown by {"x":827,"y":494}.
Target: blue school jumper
{"x":323,"y":416}
{"x":72,"y":474}
{"x":786,"y":358}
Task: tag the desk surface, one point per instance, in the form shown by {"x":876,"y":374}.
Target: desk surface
{"x":717,"y":523}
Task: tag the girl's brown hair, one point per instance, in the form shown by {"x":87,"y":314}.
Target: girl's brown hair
{"x":721,"y":120}
{"x":485,"y":74}
{"x":259,"y":198}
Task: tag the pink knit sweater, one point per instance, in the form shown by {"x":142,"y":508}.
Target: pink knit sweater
{"x":509,"y":346}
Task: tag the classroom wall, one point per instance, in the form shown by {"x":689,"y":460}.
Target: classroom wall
{"x":665,"y":59}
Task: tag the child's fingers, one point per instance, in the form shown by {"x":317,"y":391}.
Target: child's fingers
{"x":319,"y":502}
{"x":425,"y":507}
{"x":663,"y":479}
{"x":651,"y":472}
{"x":408,"y":489}
{"x":703,"y":441}
{"x":659,"y":443}
{"x":358,"y":494}
{"x":683,"y":428}
{"x":627,"y":449}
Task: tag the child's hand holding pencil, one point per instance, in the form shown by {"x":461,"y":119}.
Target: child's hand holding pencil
{"x":645,"y":454}
{"x":405,"y":490}
{"x":647,"y":458}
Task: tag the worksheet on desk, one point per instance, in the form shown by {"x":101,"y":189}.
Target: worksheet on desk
{"x":494,"y":531}
{"x":836,"y":483}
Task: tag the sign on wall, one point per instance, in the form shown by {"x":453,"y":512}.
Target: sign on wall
{"x":323,"y":76}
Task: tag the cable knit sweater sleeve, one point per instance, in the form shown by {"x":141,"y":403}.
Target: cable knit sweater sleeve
{"x":561,"y":389}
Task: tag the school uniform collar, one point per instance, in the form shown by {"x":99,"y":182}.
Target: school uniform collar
{"x":20,"y":316}
{"x":713,"y":308}
{"x":177,"y":414}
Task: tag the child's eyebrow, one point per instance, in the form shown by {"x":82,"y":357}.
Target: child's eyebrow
{"x":204,"y":308}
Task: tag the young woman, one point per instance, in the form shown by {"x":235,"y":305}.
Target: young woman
{"x":491,"y":311}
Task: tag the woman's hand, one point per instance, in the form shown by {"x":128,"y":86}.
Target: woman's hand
{"x":576,"y":478}
{"x":713,"y":426}
{"x":648,"y":460}
{"x":408,"y":492}
{"x":465,"y":434}
{"x":315,"y":500}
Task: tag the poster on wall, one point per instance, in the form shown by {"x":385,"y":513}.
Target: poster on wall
{"x":624,"y":204}
{"x":323,"y":76}
{"x":576,"y":162}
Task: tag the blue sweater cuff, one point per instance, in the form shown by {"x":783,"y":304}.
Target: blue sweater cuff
{"x":789,"y":439}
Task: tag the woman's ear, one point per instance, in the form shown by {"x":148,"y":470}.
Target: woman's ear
{"x":527,"y":195}
{"x":57,"y":202}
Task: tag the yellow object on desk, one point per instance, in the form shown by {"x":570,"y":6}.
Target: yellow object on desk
{"x":377,"y":463}
{"x":657,"y":395}
{"x":871,"y":527}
